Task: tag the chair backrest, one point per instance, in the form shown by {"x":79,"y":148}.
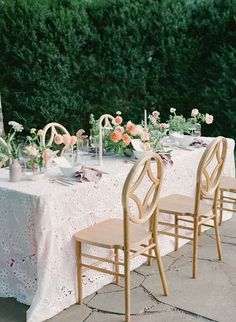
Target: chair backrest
{"x":104,"y":124}
{"x":55,"y":128}
{"x":146,"y":173}
{"x":210,"y":169}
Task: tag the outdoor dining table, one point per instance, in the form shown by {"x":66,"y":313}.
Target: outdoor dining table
{"x":38,"y":220}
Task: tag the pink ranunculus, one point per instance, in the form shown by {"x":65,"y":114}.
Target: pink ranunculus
{"x":58,"y":139}
{"x":46,"y":155}
{"x":31,"y":150}
{"x":120,"y":129}
{"x":66,"y":139}
{"x":80,"y":133}
{"x":118,"y":120}
{"x":126,"y":139}
{"x":209,"y":118}
{"x":155,"y":114}
{"x":131,"y":128}
{"x":115,"y":136}
{"x":194,"y":112}
{"x":164,"y":125}
{"x":73,"y":140}
{"x":153,"y":120}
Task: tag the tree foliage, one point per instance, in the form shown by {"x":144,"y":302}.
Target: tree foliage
{"x":62,"y":60}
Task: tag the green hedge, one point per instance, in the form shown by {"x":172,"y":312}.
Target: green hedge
{"x":62,"y":60}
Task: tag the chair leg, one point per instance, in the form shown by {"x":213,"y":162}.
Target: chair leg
{"x":150,"y":253}
{"x":176,"y":233}
{"x":195,"y":246}
{"x":160,"y":267}
{"x":218,"y":242}
{"x":117,"y":268}
{"x":199,"y":227}
{"x":79,"y":273}
{"x":127,"y":286}
{"x":221,"y":206}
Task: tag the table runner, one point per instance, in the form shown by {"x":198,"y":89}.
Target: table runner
{"x":38,"y":220}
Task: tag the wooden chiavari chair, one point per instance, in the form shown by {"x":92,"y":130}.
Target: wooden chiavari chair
{"x":196,"y":212}
{"x":55,"y":129}
{"x":128,"y":235}
{"x":227,"y":185}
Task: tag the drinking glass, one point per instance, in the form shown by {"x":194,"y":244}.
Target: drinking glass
{"x":197,"y":130}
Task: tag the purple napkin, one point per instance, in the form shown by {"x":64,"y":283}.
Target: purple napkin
{"x":166,"y":158}
{"x":198,"y":143}
{"x":87,"y":174}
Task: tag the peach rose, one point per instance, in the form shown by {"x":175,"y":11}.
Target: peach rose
{"x":209,"y":118}
{"x":164,"y":125}
{"x":80,"y":133}
{"x":131,"y":128}
{"x":73,"y":140}
{"x":58,"y":139}
{"x":155,"y":114}
{"x":66,"y":139}
{"x":115,"y":136}
{"x":126,"y":139}
{"x":194,"y":112}
{"x":118,"y":120}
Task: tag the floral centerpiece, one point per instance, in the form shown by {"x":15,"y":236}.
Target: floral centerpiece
{"x":119,"y":137}
{"x":10,"y":146}
{"x":178,"y":123}
{"x":38,"y":155}
{"x":157,"y":129}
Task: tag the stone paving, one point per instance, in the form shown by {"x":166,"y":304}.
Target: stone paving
{"x":211,"y":297}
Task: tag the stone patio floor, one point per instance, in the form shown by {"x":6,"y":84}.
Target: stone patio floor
{"x":211,"y":297}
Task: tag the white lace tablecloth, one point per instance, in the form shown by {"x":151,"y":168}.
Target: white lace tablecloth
{"x":38,"y":220}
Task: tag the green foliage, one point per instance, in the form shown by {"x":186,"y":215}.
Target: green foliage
{"x":62,"y":60}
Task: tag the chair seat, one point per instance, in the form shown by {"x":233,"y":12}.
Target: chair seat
{"x":182,"y":205}
{"x":109,"y":234}
{"x":228,"y":184}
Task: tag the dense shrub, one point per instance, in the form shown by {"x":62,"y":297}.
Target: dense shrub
{"x":62,"y":60}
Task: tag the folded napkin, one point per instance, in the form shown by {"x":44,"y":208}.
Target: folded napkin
{"x":198,"y":143}
{"x":166,"y":158}
{"x":87,"y":174}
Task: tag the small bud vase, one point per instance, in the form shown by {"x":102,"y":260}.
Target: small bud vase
{"x":15,"y":171}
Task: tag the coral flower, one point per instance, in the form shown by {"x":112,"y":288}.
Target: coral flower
{"x":131,"y":128}
{"x":209,"y":118}
{"x":126,"y":139}
{"x":118,"y":120}
{"x":58,"y":139}
{"x":73,"y":140}
{"x":66,"y":139}
{"x":116,"y":136}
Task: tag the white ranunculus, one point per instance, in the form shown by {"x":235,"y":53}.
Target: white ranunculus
{"x":172,"y":110}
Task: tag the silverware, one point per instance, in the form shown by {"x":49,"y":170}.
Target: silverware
{"x":64,"y":183}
